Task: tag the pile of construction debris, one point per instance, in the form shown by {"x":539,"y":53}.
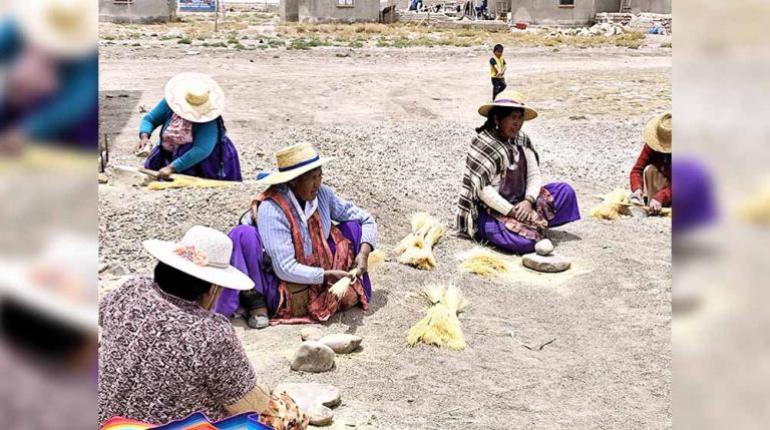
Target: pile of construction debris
{"x":641,"y":23}
{"x":604,"y":29}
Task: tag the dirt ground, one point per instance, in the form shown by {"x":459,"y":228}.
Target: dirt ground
{"x":399,"y":122}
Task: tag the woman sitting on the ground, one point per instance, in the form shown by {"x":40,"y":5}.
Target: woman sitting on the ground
{"x":651,"y":175}
{"x":193,"y":139}
{"x":163,"y":355}
{"x":502,"y":199}
{"x":312,"y":238}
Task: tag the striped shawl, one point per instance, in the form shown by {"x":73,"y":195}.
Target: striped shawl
{"x":488,"y":156}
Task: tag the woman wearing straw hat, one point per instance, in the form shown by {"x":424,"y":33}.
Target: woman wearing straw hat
{"x":651,"y":175}
{"x":163,"y":354}
{"x":49,"y":85}
{"x":193,"y":138}
{"x":502,"y":198}
{"x":292,"y":224}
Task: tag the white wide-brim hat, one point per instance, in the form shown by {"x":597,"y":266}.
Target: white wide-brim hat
{"x":509,"y":99}
{"x":657,"y":133}
{"x":195,"y":97}
{"x":66,"y":28}
{"x":67,"y":256}
{"x":203,"y":253}
{"x":293,"y":162}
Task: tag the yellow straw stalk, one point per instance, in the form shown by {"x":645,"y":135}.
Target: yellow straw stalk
{"x":486,"y":263}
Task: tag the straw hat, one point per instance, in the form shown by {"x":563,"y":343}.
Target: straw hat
{"x":195,"y":97}
{"x":657,"y":133}
{"x":293,"y":162}
{"x":203,"y":253}
{"x":61,"y":283}
{"x":511,"y":99}
{"x":67,"y":28}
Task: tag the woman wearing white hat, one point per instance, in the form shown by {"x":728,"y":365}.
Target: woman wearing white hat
{"x":651,"y":175}
{"x":311,"y":237}
{"x":193,"y":138}
{"x":49,"y":88}
{"x":163,"y":354}
{"x":503,"y":200}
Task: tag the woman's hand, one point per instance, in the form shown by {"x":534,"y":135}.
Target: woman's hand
{"x":655,"y":207}
{"x":166,"y":172}
{"x":336,"y":274}
{"x":522,"y":211}
{"x":362,"y":259}
{"x":144,"y":140}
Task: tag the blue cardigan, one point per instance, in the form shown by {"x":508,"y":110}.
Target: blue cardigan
{"x":205,"y":135}
{"x":76,"y":97}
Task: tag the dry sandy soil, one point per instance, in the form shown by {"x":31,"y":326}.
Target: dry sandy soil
{"x":399,"y":122}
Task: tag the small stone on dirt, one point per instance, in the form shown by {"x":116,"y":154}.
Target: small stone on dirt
{"x":544,"y":247}
{"x":313,"y":356}
{"x":320,"y":415}
{"x":309,"y":394}
{"x":546,"y":264}
{"x":311,"y":333}
{"x":342,"y":343}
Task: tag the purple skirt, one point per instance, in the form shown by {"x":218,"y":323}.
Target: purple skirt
{"x":566,"y":210}
{"x":222,"y":164}
{"x":248,"y":257}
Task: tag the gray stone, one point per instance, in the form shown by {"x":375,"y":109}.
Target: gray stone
{"x":544,"y":247}
{"x":341,"y":343}
{"x":547,"y":264}
{"x":320,"y":415}
{"x":311,"y":333}
{"x":313,"y":356}
{"x":307,"y":394}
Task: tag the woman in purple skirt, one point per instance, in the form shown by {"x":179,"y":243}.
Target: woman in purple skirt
{"x":503,"y":200}
{"x":193,"y":139}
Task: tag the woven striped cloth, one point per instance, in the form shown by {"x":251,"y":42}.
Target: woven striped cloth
{"x":487,"y":157}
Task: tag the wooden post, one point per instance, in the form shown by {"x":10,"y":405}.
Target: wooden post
{"x":216,"y":16}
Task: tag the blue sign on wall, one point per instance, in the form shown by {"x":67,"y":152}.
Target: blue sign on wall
{"x":197,"y":5}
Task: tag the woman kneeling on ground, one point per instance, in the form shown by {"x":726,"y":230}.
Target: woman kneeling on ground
{"x":163,"y":355}
{"x":502,"y":199}
{"x":193,"y":138}
{"x":297,"y":240}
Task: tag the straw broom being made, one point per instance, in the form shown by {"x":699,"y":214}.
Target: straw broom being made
{"x":416,"y":249}
{"x":440,"y":326}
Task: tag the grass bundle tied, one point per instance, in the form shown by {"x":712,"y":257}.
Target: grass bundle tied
{"x":440,"y":326}
{"x":341,"y":287}
{"x":416,"y":249}
{"x":486,"y":263}
{"x":616,"y":203}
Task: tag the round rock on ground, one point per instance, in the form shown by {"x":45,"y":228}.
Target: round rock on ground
{"x":544,"y":247}
{"x":311,"y":333}
{"x":341,"y":343}
{"x":547,"y":264}
{"x":307,"y":394}
{"x":313,"y":356}
{"x":320,"y":415}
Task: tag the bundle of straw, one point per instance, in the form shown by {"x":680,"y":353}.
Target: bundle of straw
{"x":485,"y":263}
{"x":341,"y":287}
{"x":614,"y":204}
{"x":416,"y":249}
{"x":440,"y":326}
